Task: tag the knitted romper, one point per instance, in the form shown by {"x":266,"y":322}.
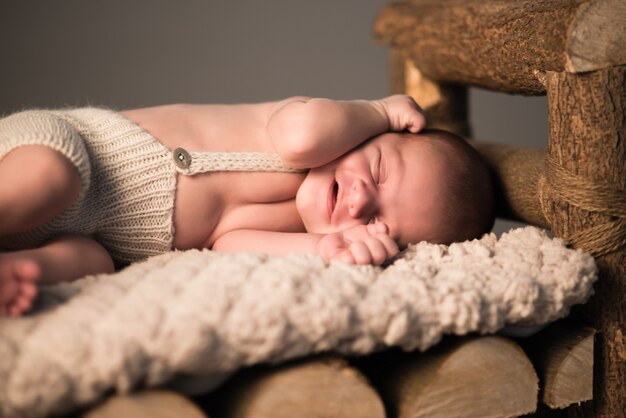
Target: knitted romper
{"x":128,"y":178}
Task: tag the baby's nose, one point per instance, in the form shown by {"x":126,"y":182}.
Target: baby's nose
{"x":361,"y":202}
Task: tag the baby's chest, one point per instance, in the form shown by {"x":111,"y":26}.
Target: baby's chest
{"x":210,"y":205}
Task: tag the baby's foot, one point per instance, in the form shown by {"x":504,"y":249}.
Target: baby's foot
{"x":18,"y":284}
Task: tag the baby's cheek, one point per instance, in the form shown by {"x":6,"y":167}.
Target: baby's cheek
{"x":305,"y":206}
{"x":301,"y":204}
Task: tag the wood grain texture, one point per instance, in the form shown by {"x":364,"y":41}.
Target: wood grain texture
{"x":563,"y":357}
{"x":469,"y":377}
{"x":597,"y":36}
{"x":504,"y":45}
{"x":329,"y":387}
{"x":587,"y":121}
{"x":516,"y":171}
{"x":149,"y":403}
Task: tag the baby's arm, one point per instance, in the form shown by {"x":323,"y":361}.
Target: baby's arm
{"x":309,"y":133}
{"x":361,"y":244}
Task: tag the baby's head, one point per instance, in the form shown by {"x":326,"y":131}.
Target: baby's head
{"x":431,"y":186}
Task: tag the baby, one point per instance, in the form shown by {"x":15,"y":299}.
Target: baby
{"x":85,"y":189}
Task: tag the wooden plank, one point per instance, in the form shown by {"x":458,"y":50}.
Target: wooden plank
{"x":563,"y":357}
{"x":470,"y":377}
{"x":587,"y":140}
{"x":505,"y":45}
{"x":327,"y":387}
{"x":146,"y":404}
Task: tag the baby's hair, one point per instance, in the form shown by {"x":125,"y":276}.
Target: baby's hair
{"x":469,"y":204}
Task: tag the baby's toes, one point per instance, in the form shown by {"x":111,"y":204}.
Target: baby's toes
{"x":28,"y":290}
{"x":23,"y":303}
{"x":27,"y":271}
{"x":18,"y":285}
{"x":9,"y":289}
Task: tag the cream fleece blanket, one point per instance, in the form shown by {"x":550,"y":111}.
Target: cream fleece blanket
{"x":203,"y":313}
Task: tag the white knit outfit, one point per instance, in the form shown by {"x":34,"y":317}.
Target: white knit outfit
{"x":128,"y":178}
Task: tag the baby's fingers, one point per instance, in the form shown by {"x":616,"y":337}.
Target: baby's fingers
{"x":391,"y":247}
{"x":374,"y":250}
{"x":361,"y":252}
{"x":377,"y":250}
{"x":377,"y":228}
{"x":417,"y":121}
{"x":345,"y":256}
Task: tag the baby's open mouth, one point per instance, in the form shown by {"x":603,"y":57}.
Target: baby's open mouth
{"x":332,"y":198}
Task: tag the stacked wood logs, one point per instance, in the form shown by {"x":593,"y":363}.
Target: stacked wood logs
{"x":490,"y":376}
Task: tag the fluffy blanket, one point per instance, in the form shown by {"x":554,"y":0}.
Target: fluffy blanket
{"x":200,"y":313}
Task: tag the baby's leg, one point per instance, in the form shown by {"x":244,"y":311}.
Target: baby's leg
{"x":37,"y":184}
{"x":64,"y":259}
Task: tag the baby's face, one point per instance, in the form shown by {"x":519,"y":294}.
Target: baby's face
{"x":392,"y":179}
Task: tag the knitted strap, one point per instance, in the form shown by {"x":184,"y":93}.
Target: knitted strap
{"x":203,"y":162}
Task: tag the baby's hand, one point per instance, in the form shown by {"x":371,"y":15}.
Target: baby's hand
{"x":403,"y":113}
{"x":361,"y":244}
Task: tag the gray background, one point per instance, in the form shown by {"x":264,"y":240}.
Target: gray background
{"x":131,"y":53}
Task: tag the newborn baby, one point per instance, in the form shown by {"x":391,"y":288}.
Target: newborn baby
{"x":348,"y":180}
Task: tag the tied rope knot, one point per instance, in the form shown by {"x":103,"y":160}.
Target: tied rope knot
{"x":582,"y":193}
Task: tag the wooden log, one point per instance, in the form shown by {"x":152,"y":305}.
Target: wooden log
{"x":149,"y":403}
{"x":505,"y":45}
{"x":471,"y":377}
{"x":517,"y":172}
{"x":445,"y":104}
{"x":328,"y":387}
{"x":563,"y":357}
{"x":587,"y":141}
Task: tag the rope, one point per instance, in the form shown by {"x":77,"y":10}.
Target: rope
{"x":577,"y":191}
